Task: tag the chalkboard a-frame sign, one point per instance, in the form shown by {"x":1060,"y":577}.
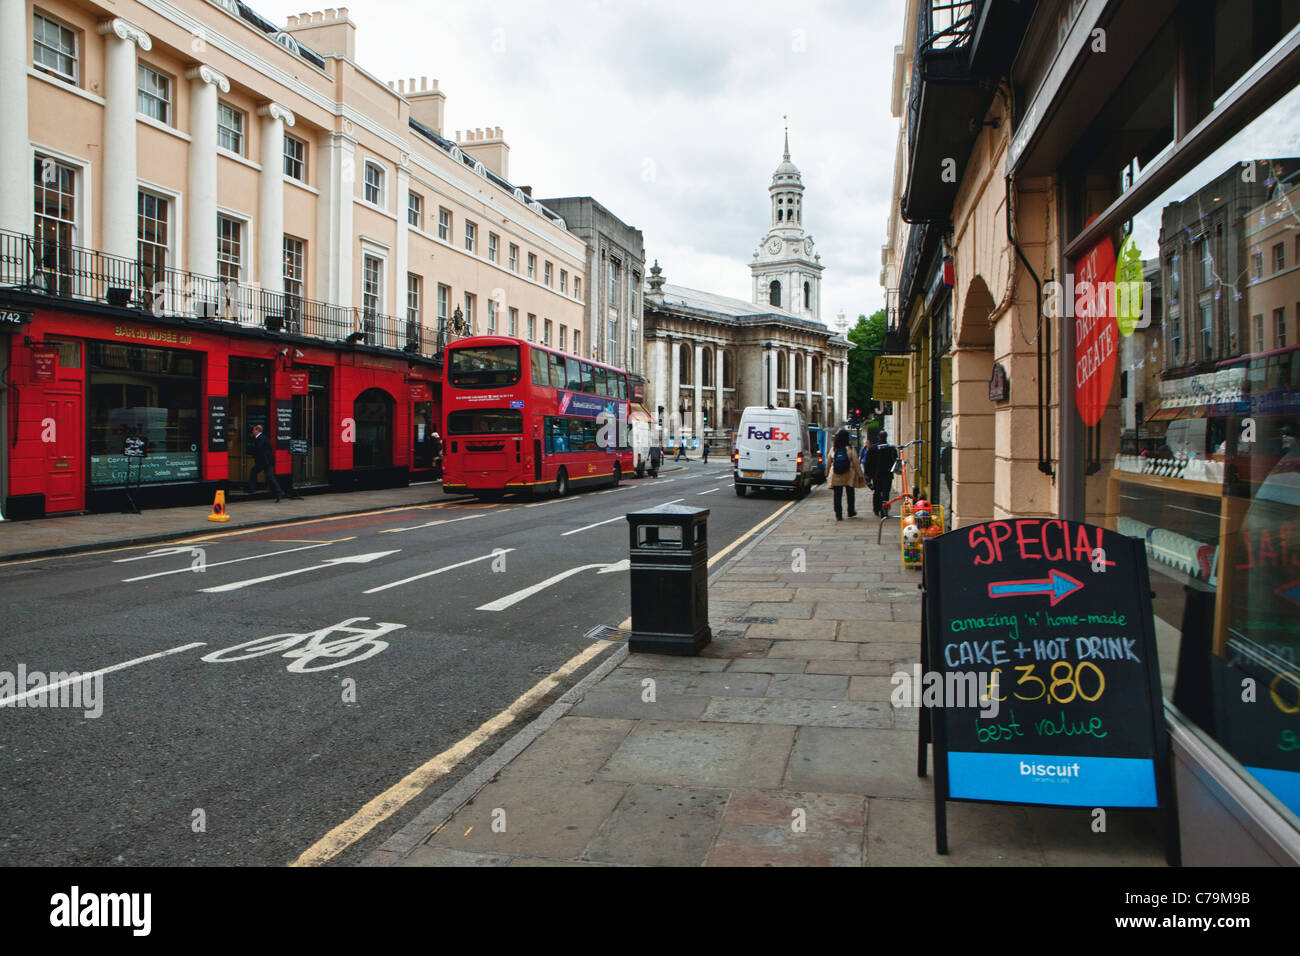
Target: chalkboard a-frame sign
{"x":1053,"y":618}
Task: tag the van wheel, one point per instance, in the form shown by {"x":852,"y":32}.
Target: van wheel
{"x":803,"y":490}
{"x":640,"y":469}
{"x":561,"y":483}
{"x":618,"y":473}
{"x":740,"y":491}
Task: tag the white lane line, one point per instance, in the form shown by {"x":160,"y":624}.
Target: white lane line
{"x":610,"y":491}
{"x":511,"y":599}
{"x":329,"y":562}
{"x":156,"y":553}
{"x":553,"y":501}
{"x":711,"y":491}
{"x":429,"y":574}
{"x":99,"y":673}
{"x":431,"y":524}
{"x":596,"y":525}
{"x":673,"y":502}
{"x":217,"y":564}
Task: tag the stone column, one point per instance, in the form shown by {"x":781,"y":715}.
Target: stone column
{"x":807,"y":385}
{"x":719,"y":402}
{"x":120,"y":105}
{"x":202,"y":227}
{"x":789,"y":379}
{"x":334,"y":232}
{"x":672,"y":418}
{"x":16,"y":167}
{"x":661,"y":384}
{"x":833,"y":415}
{"x":698,"y":407}
{"x":770,"y":358}
{"x":270,"y":199}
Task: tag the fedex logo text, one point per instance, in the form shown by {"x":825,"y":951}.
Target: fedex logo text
{"x":773,"y":434}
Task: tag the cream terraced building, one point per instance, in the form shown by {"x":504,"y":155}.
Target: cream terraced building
{"x":200,"y":139}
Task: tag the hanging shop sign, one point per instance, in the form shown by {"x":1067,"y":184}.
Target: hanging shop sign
{"x":298,"y":383}
{"x":891,"y":379}
{"x":999,"y":384}
{"x":1096,"y":332}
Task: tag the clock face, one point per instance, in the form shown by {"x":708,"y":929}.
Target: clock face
{"x":807,"y":246}
{"x":774,"y":246}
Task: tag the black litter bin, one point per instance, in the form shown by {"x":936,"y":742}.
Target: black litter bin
{"x":670,"y":580}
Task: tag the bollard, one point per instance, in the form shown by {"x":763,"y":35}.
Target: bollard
{"x":670,"y":580}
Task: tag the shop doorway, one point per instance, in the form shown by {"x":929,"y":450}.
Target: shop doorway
{"x":63,"y":431}
{"x":373,"y":411}
{"x":310,"y":417}
{"x":250,"y":404}
{"x":425,"y":446}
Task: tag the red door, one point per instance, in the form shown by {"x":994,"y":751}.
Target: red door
{"x":62,"y":433}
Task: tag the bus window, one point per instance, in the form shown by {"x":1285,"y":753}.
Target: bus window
{"x":541,"y":369}
{"x":622,"y":386}
{"x":573,"y":369}
{"x":487,"y":366}
{"x":485,"y":422}
{"x":602,"y":384}
{"x":588,"y":379}
{"x":557,"y":370}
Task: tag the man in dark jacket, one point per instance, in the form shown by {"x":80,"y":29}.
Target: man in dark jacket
{"x":264,"y":460}
{"x":656,"y":459}
{"x":879,"y":466}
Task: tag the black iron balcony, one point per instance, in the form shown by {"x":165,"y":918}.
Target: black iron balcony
{"x":946,"y":106}
{"x":35,"y":265}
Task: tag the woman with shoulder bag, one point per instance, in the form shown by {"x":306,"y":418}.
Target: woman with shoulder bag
{"x":846,"y":473}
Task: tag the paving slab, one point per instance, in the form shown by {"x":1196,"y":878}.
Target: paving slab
{"x":735,"y":647}
{"x":849,"y":611}
{"x":558,"y":819}
{"x":630,"y":702}
{"x":809,"y":686}
{"x":670,"y":663}
{"x":901,"y":833}
{"x":701,"y":755}
{"x":1067,"y":838}
{"x":871,"y":762}
{"x":767,"y":665}
{"x":572,"y":747}
{"x":731,"y":684}
{"x":853,"y":668}
{"x":782,"y":828}
{"x":870,"y":688}
{"x":660,"y":826}
{"x":792,"y":630}
{"x":880,"y":632}
{"x":872,"y":651}
{"x":815,"y":713}
{"x":441,"y":856}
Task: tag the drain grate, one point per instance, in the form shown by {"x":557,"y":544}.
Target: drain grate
{"x":607,"y":632}
{"x":751,"y":620}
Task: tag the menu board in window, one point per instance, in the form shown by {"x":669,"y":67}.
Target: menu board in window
{"x":1039,"y":680}
{"x":217,"y":405}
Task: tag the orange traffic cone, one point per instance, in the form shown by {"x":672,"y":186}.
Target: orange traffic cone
{"x":219,"y":508}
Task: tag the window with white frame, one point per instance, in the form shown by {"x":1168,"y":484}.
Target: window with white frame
{"x":230,"y":128}
{"x":611,"y":294}
{"x":295,"y":159}
{"x":494,"y":244}
{"x":1257,"y":265}
{"x":471,"y":236}
{"x":611,"y":341}
{"x":577,"y":342}
{"x":514,"y":258}
{"x":546,"y":332}
{"x":564,"y":338}
{"x":414,"y":297}
{"x":444,"y":224}
{"x":444,"y":305}
{"x":633,"y":327}
{"x":470,"y":301}
{"x":1279,"y":257}
{"x":514,"y":322}
{"x":372,"y":286}
{"x":295,"y":276}
{"x":564,"y":283}
{"x":154,"y":94}
{"x":547,"y":273}
{"x":153,"y":236}
{"x":532,"y":327}
{"x":577,"y":292}
{"x":1279,"y":328}
{"x":1207,"y":331}
{"x":230,"y":248}
{"x":56,"y":217}
{"x":54,"y":48}
{"x":532,"y":266}
{"x":374,"y":187}
{"x":492,"y":317}
{"x":415,"y":210}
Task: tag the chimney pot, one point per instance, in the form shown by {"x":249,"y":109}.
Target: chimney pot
{"x":292,"y":21}
{"x":343,"y":13}
{"x":330,"y":14}
{"x":424,"y":83}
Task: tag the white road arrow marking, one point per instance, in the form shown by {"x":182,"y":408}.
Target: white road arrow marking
{"x":596,"y":525}
{"x":431,"y":524}
{"x":217,"y":564}
{"x":355,"y":559}
{"x":429,"y":574}
{"x":9,"y":701}
{"x":709,"y":492}
{"x":510,"y":600}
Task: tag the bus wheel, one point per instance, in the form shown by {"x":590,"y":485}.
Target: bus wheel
{"x":561,"y":483}
{"x":618,"y":473}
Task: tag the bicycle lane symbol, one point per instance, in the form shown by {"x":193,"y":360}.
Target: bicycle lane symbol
{"x":356,"y":645}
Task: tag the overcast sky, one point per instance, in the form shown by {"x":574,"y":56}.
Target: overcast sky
{"x":670,"y":114}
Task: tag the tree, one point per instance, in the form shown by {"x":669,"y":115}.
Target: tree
{"x":868,"y":337}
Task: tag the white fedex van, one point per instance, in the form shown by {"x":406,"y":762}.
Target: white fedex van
{"x":771,"y":451}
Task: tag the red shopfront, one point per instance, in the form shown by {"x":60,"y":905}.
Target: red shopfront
{"x":81,"y":384}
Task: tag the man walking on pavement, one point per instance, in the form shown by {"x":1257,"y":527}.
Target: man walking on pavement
{"x":706,"y":452}
{"x":878,"y":463}
{"x":656,"y":459}
{"x":681,"y":452}
{"x":264,"y":460}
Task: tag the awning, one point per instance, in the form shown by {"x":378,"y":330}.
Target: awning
{"x":637,"y":413}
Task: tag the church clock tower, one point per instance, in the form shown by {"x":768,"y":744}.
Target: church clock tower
{"x":787,"y":271}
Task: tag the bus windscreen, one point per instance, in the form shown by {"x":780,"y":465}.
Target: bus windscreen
{"x":492,"y":366}
{"x":485,"y":422}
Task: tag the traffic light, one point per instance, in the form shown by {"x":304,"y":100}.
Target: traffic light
{"x":706,"y":416}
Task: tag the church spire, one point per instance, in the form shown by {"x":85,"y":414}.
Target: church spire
{"x":787,"y":139}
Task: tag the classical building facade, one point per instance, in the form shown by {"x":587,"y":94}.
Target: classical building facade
{"x":190,"y":186}
{"x":709,"y":356}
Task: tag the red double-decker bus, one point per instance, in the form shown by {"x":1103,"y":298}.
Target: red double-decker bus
{"x":528,"y":419}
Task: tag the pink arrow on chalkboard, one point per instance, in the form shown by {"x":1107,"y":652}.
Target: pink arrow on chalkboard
{"x":1059,"y":587}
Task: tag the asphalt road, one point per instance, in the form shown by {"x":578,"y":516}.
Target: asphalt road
{"x":243,"y":729}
